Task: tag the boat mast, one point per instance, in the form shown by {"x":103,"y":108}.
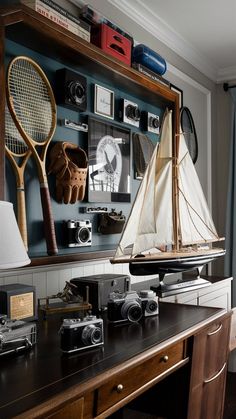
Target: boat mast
{"x":175,"y":176}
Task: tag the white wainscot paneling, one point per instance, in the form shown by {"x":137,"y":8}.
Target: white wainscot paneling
{"x":50,"y":280}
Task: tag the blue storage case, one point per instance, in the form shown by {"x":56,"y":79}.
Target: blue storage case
{"x":149,"y":58}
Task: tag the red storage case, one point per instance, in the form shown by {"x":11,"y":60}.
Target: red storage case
{"x":113,"y":43}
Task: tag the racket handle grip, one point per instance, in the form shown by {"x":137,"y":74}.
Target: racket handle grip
{"x":21,"y":216}
{"x":49,"y":228}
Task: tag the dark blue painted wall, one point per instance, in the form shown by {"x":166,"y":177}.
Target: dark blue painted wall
{"x":61,"y":211}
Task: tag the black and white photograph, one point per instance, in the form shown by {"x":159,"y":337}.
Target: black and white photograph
{"x":109,"y":162}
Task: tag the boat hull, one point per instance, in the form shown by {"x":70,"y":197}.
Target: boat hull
{"x":172,"y":265}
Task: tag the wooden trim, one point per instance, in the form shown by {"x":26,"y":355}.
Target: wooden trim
{"x":74,"y":257}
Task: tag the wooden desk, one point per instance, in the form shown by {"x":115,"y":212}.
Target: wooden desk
{"x":136,"y":357}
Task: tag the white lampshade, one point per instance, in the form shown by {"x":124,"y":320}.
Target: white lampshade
{"x":12,"y":249}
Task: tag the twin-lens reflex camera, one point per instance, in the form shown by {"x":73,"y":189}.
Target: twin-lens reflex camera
{"x":131,"y":306}
{"x":77,"y":334}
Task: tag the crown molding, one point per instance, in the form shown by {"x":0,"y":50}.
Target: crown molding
{"x":226,"y":74}
{"x":151,"y":22}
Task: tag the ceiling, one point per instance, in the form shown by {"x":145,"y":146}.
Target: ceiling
{"x":203,"y":32}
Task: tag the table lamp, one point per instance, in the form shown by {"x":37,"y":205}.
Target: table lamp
{"x":12,"y":249}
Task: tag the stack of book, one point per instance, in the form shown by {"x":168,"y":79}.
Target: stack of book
{"x":93,"y":17}
{"x":61,"y":16}
{"x":154,"y":76}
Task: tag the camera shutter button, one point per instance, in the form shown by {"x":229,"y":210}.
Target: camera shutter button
{"x":119,"y":388}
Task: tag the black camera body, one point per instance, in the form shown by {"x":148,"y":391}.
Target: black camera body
{"x":71,"y":89}
{"x":79,"y":233}
{"x":79,"y":334}
{"x":131,"y":112}
{"x":124,"y":307}
{"x":149,"y":303}
{"x":16,"y":335}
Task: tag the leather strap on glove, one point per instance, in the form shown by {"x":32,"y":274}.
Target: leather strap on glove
{"x":70,"y":165}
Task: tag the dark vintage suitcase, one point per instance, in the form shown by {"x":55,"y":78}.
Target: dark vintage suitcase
{"x":100,"y":286}
{"x":144,"y":55}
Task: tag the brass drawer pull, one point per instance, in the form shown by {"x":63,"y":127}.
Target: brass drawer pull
{"x":215,"y":376}
{"x":119,"y":388}
{"x":165,"y":358}
{"x":215,"y":331}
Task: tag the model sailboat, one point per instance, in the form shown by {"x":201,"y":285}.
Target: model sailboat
{"x":170,"y":228}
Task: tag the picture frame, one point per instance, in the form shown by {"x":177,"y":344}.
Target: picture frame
{"x":104,"y":101}
{"x":109,"y":178}
{"x":180,"y":93}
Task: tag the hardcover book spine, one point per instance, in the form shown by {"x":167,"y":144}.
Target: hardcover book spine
{"x":40,"y":7}
{"x":67,"y":14}
{"x":150,"y":74}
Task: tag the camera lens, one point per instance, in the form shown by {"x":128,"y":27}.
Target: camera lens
{"x":151,"y":306}
{"x":132,"y":112}
{"x":76,"y":92}
{"x":91,"y":335}
{"x":131,"y":310}
{"x":154,"y":122}
{"x":82,"y":235}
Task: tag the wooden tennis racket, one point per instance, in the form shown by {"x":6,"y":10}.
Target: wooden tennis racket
{"x":18,"y":154}
{"x":32,"y":105}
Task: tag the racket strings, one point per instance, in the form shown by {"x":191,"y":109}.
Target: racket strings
{"x":31,"y":100}
{"x":13,"y":139}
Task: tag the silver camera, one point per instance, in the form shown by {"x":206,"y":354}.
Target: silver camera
{"x":77,"y":334}
{"x":153,"y":123}
{"x":149,"y":303}
{"x":16,"y":335}
{"x":124,"y":306}
{"x":79,"y":233}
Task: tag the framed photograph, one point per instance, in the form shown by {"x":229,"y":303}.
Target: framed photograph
{"x":103,"y":101}
{"x":109,"y":162}
{"x":180,"y":93}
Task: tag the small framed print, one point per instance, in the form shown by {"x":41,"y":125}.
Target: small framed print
{"x":180,"y":93}
{"x":103,"y":101}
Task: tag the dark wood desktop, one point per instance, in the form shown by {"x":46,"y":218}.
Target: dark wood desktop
{"x":184,"y":350}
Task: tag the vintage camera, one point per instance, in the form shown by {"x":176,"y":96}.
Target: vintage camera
{"x":124,"y":306}
{"x":131,"y":113}
{"x":79,"y":233}
{"x":149,"y":302}
{"x":71,"y":89}
{"x":16,"y":335}
{"x":79,"y":334}
{"x":153,"y":123}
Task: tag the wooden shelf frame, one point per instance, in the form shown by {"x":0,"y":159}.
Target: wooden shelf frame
{"x":28,"y":28}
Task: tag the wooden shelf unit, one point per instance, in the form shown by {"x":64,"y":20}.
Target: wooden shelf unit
{"x":23,"y":25}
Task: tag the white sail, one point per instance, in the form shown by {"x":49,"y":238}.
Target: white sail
{"x":196,"y":223}
{"x":162,"y":208}
{"x":150,"y":221}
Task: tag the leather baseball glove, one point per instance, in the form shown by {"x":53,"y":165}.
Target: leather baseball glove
{"x":69,"y":163}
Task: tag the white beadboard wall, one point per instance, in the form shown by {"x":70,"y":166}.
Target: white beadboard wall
{"x":50,"y":280}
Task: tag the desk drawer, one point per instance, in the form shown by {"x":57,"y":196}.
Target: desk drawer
{"x":127,"y":382}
